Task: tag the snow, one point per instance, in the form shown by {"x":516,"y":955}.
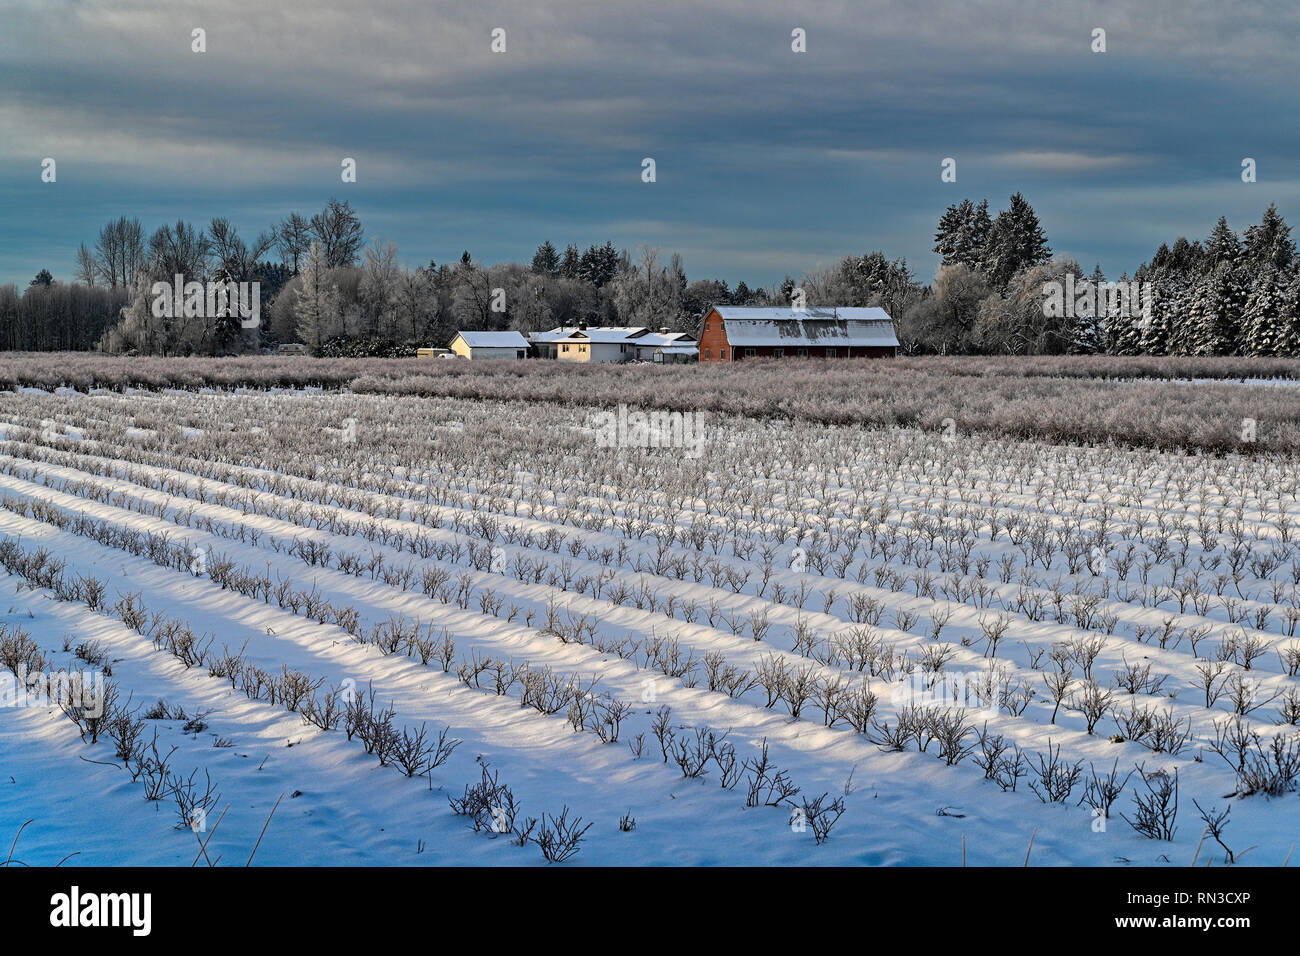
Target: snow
{"x":339,"y":806}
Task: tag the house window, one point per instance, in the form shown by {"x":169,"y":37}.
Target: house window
{"x":803,"y":353}
{"x":706,"y":353}
{"x":582,"y":348}
{"x":722,"y":353}
{"x":749,"y":353}
{"x":706,"y":325}
{"x":830,"y":353}
{"x":564,"y":348}
{"x":778,"y":353}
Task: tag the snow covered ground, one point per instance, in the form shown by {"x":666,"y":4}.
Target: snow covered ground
{"x":488,"y":571}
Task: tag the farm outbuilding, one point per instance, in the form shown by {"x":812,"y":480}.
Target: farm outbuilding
{"x":733,"y":333}
{"x":675,"y":354}
{"x":649,"y":344}
{"x":490,"y":345}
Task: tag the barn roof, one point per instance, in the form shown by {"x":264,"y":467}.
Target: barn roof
{"x":494,"y":340}
{"x":814,"y":326}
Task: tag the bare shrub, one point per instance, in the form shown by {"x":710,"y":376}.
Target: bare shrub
{"x":1100,"y":791}
{"x":193,"y":800}
{"x":1055,"y":777}
{"x":559,"y":838}
{"x":767,"y":784}
{"x":418,"y":753}
{"x":821,"y":817}
{"x":1155,"y":812}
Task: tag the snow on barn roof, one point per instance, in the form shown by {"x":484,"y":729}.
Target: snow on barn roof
{"x":815,"y":325}
{"x":493,"y":340}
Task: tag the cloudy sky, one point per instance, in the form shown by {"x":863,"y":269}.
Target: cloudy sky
{"x":768,"y":161}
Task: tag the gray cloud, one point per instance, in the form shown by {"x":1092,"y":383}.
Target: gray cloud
{"x":768,"y":161}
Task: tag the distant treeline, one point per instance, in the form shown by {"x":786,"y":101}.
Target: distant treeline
{"x":321,"y":285}
{"x":1228,"y":295}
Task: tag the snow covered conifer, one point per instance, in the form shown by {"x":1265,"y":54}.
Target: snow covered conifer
{"x":1263,"y":318}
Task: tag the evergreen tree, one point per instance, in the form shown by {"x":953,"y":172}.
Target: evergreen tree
{"x":950,"y":240}
{"x":1159,"y":261}
{"x":1222,"y":246}
{"x":226,"y":323}
{"x":1016,"y":241}
{"x":1263,"y":319}
{"x":546,"y":261}
{"x":1269,"y":245}
{"x":599,"y":264}
{"x":874,"y":280}
{"x":569,"y":264}
{"x":1288,"y":338}
{"x":1187,"y":257}
{"x":1090,"y":333}
{"x":1183,"y":321}
{"x":785,"y":291}
{"x":963,"y":233}
{"x":981,"y":227}
{"x":1216,"y":309}
{"x":1167,"y":301}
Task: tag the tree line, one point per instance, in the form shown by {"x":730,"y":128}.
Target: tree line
{"x":1229,"y":295}
{"x":322,"y":285}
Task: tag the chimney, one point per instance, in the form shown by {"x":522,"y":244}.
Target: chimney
{"x":582,"y":326}
{"x":664,"y":330}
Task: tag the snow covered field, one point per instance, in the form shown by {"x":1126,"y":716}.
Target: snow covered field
{"x":805,"y":645}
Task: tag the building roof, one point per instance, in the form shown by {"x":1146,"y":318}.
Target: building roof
{"x":601,"y":334}
{"x":493,"y":340}
{"x":814,"y":326}
{"x":730,"y":312}
{"x":609,"y":334}
{"x":665,"y":338}
{"x":678,"y":349}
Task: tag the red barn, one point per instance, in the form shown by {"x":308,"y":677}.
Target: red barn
{"x":732,"y":333}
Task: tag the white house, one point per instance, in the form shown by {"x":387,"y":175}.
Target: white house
{"x":490,"y":345}
{"x":605,"y":344}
